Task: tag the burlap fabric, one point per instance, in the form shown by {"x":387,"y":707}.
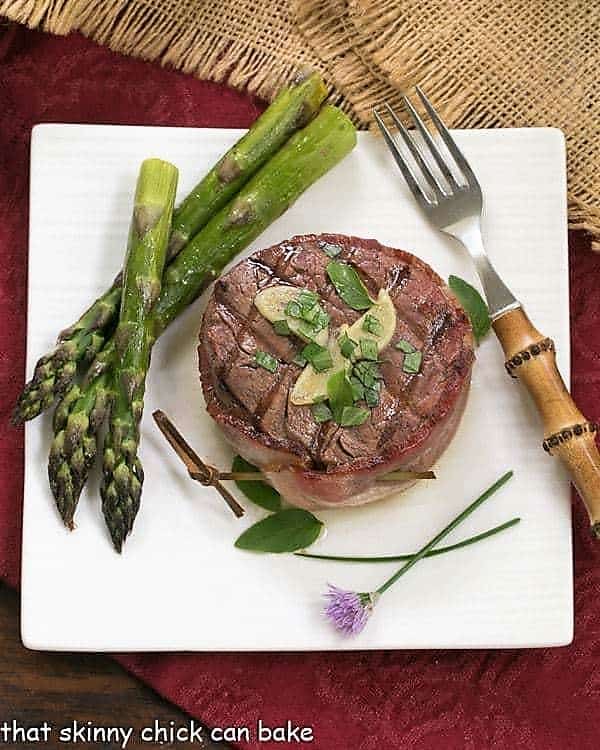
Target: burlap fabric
{"x":497,"y":63}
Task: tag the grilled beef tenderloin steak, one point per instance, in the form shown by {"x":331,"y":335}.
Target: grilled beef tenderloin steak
{"x":317,"y":464}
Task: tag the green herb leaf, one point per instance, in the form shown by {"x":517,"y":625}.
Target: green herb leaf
{"x":260,"y":493}
{"x":371,"y":324}
{"x":412,"y":362}
{"x":321,"y":320}
{"x":330,"y":249}
{"x":266,"y":360}
{"x":318,"y":356}
{"x":321,"y":412}
{"x":352,"y":416}
{"x":358,"y":389}
{"x":405,"y":346}
{"x":348,"y":285}
{"x":474,"y":305}
{"x":299,"y":360}
{"x":306,"y":331}
{"x":285,"y":531}
{"x":293,"y":309}
{"x":347,"y":345}
{"x":341,"y":395}
{"x":368,"y":349}
{"x":307,"y":299}
{"x":367,"y":372}
{"x":372,"y":395}
{"x":282,"y":327}
{"x":309,"y":313}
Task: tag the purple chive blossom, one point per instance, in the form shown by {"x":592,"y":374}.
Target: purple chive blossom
{"x":348,"y":610}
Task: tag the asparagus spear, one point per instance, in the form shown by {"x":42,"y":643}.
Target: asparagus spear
{"x":307,"y":156}
{"x":77,"y":419}
{"x":143,"y":269}
{"x":291,"y":109}
{"x":79,"y":343}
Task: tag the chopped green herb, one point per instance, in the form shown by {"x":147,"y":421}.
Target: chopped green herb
{"x":311,"y":317}
{"x":372,"y":394}
{"x":293,"y":309}
{"x":405,"y":346}
{"x":318,"y":356}
{"x":282,"y":327}
{"x":307,"y":299}
{"x":347,"y":345}
{"x":322,"y":361}
{"x":474,"y":305}
{"x":348,"y":285}
{"x":368,"y":349}
{"x":371,"y":324}
{"x":352,"y":416}
{"x":266,"y":360}
{"x":341,"y":395}
{"x":299,"y":360}
{"x":330,"y":249}
{"x":367,"y":372}
{"x":358,"y":389}
{"x":321,"y":412}
{"x":309,"y":313}
{"x":306,"y":331}
{"x":321,"y":320}
{"x":412,"y":362}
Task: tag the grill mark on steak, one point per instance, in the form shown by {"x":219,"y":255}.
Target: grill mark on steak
{"x":371,"y":269}
{"x":427,"y":316}
{"x":398,"y":277}
{"x":440,"y":323}
{"x":271,"y":392}
{"x":330,"y":446}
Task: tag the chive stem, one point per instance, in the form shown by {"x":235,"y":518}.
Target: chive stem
{"x":400,"y":558}
{"x":444,"y":532}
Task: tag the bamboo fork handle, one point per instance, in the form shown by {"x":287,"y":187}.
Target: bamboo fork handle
{"x":530,"y":357}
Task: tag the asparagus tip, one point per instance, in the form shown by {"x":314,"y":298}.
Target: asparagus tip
{"x":17,"y":418}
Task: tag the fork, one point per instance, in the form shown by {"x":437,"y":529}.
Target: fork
{"x":455,"y":207}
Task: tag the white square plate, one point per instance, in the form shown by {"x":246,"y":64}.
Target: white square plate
{"x":180,"y":584}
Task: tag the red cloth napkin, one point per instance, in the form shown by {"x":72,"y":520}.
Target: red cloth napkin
{"x":542,"y":699}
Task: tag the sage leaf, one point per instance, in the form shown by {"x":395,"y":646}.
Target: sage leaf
{"x":321,"y":412}
{"x":353,"y":416}
{"x":341,"y":394}
{"x":348,"y":285}
{"x":412,"y":363}
{"x":260,"y":493}
{"x":474,"y":305}
{"x":266,"y":360}
{"x":287,"y":531}
{"x":405,"y":346}
{"x":347,"y":345}
{"x":368,"y":349}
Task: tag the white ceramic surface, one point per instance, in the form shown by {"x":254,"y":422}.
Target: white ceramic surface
{"x":180,"y":584}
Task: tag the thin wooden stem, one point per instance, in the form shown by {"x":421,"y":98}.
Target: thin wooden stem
{"x":197,"y":469}
{"x":209,"y":476}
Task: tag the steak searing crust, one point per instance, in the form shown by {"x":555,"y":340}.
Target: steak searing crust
{"x":316,"y":464}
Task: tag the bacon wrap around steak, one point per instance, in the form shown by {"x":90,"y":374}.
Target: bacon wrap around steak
{"x":324,"y":465}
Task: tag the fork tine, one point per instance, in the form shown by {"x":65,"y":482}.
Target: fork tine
{"x":420,"y":125}
{"x":405,"y":167}
{"x":417,"y":153}
{"x":456,"y":153}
